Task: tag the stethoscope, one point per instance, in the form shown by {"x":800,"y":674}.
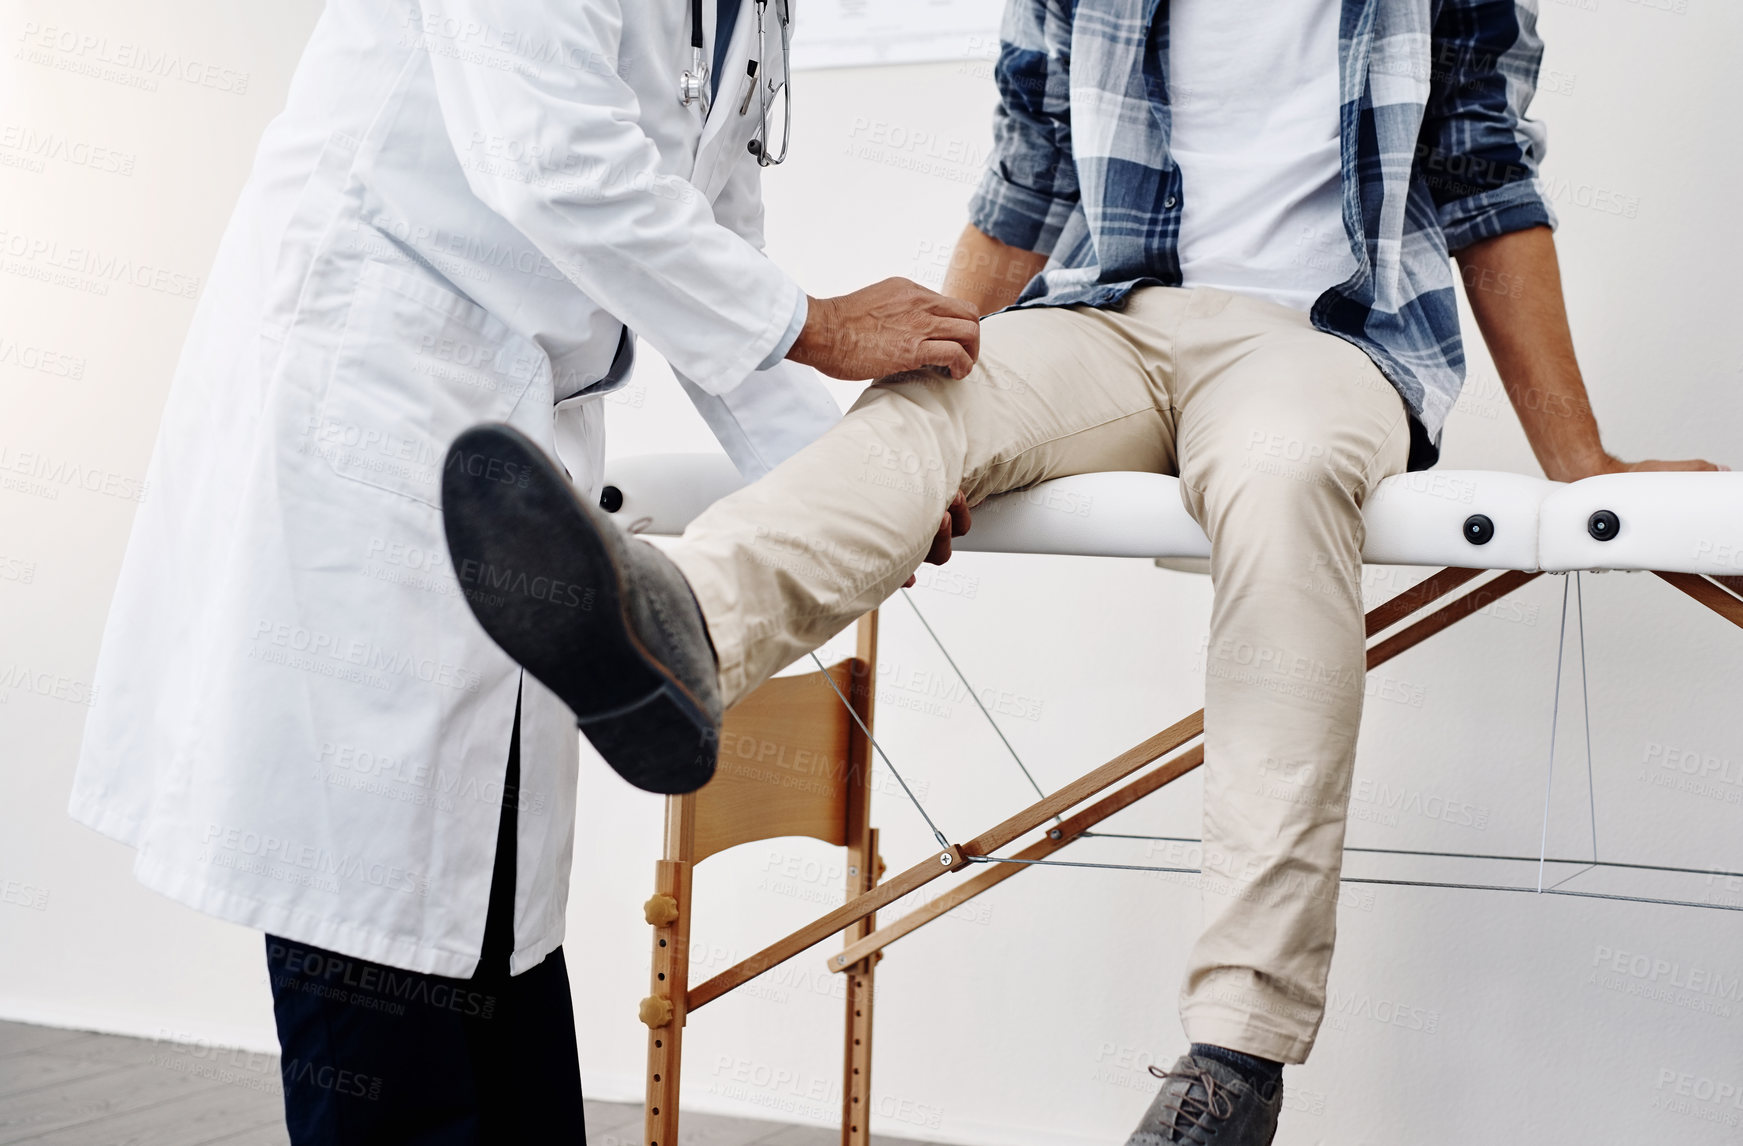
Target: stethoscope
{"x":693,"y":81}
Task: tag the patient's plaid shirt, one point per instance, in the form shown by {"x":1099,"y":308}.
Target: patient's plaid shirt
{"x":1437,"y":154}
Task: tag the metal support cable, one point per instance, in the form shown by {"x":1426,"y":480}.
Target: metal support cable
{"x":879,"y":749}
{"x":1554,"y":889}
{"x":975,"y":696}
{"x":1443,"y":855}
{"x":1551,"y":891}
{"x":1571,"y":878}
{"x":1586,"y":709}
{"x":1554,"y":717}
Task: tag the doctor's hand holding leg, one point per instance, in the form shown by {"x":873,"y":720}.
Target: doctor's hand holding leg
{"x":887,"y":328}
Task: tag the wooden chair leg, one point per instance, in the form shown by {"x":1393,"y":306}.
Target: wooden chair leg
{"x":668,"y":911}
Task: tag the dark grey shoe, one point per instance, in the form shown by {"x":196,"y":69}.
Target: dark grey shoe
{"x":1203,"y":1101}
{"x":603,"y":619}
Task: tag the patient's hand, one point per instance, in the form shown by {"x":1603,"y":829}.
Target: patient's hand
{"x":955,"y":523}
{"x":1609,"y":464}
{"x":888,"y":328}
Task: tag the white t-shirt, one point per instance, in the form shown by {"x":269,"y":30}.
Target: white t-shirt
{"x":1253,"y":88}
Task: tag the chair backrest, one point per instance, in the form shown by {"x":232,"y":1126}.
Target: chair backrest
{"x":791,"y":758}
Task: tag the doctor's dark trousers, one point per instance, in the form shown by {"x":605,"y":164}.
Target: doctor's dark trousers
{"x":426,"y":1059}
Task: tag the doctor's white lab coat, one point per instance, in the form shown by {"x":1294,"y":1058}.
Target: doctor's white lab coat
{"x":465,"y":203}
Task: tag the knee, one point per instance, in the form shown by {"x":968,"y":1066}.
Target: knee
{"x":1278,"y":502}
{"x":897,"y":442}
{"x":914,"y":424}
{"x":1295,"y":525}
{"x":1294,"y":478}
{"x":927,"y":393}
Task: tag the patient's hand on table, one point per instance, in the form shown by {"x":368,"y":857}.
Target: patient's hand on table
{"x":955,"y":523}
{"x":1609,"y":464}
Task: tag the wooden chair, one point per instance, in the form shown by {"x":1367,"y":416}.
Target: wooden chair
{"x":793,"y":762}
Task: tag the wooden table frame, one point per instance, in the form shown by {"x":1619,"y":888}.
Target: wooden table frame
{"x":866,"y":895}
{"x":794,"y":717}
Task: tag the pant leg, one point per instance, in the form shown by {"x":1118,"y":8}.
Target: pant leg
{"x":375,"y":1055}
{"x":364,"y":1057}
{"x":784,"y":564}
{"x":1283,"y":430}
{"x":525,"y":1065}
{"x":525,"y":1062}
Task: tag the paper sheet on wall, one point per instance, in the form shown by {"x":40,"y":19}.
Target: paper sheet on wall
{"x":843,"y":33}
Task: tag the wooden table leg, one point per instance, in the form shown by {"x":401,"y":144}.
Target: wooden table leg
{"x":1708,"y":594}
{"x":664,"y":1010}
{"x":861,"y":980}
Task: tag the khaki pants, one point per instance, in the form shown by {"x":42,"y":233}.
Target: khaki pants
{"x":1277,"y":433}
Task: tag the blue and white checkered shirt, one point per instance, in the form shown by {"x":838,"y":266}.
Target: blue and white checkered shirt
{"x":1437,"y":154}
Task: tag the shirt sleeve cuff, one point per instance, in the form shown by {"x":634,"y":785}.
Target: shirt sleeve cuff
{"x":793,"y":328}
{"x":1015,"y":215}
{"x":1513,"y":207}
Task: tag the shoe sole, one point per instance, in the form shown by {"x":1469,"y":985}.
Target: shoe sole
{"x":546,"y":583}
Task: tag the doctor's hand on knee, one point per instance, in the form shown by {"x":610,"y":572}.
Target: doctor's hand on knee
{"x":887,"y":328}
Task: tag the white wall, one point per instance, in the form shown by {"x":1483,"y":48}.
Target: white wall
{"x":1028,"y":1016}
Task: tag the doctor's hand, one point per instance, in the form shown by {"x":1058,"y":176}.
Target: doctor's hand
{"x":888,"y":328}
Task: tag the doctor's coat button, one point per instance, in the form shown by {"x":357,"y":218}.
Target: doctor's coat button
{"x":1479,"y":529}
{"x":1603,"y":525}
{"x":656,"y":1011}
{"x":660,"y":910}
{"x":611,"y":499}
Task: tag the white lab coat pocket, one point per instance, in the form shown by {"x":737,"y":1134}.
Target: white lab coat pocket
{"x":416,"y":366}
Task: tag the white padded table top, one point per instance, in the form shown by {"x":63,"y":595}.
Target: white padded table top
{"x":1477,"y":519}
{"x":1674,"y":522}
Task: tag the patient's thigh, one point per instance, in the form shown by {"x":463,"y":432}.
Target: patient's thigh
{"x":1055,"y":391}
{"x":1286,"y":416}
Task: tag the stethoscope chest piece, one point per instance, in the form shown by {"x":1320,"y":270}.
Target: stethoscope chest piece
{"x":693,"y":81}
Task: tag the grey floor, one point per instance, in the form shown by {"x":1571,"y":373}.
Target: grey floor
{"x":72,"y":1088}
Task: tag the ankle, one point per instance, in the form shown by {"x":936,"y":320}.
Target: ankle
{"x":1259,"y":1073}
